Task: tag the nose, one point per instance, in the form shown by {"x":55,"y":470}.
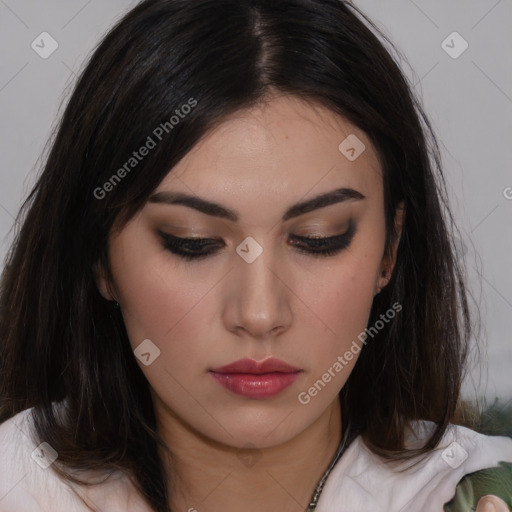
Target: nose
{"x":259,"y":305}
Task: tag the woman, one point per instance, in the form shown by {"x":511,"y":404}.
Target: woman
{"x":234,"y":285}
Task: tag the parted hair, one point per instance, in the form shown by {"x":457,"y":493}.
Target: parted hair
{"x":62,"y":342}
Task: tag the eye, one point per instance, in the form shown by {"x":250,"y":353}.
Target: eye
{"x":190,"y":248}
{"x":324,"y":246}
{"x":197,"y":248}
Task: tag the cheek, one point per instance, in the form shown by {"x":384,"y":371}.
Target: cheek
{"x":341,"y":291}
{"x":343,"y":295}
{"x":159,"y":301}
{"x":176,"y":316}
{"x":348,"y":299}
{"x":341,"y":298}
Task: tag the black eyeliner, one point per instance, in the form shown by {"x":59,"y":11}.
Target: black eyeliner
{"x":190,"y":248}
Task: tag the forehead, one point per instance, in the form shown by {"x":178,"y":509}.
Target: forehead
{"x":282,"y":150}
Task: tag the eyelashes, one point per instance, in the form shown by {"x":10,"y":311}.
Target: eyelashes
{"x":200,"y":248}
{"x":190,"y":248}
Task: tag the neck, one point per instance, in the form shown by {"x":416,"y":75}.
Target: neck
{"x":207,"y":475}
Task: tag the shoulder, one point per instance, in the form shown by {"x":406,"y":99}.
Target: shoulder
{"x":24,"y":468}
{"x":28,"y":482}
{"x":362,"y":481}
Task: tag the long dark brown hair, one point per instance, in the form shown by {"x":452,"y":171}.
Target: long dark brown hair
{"x":62,"y":342}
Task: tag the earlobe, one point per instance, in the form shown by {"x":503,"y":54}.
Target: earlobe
{"x":389,"y":260}
{"x":382,"y":281}
{"x":102,"y":282}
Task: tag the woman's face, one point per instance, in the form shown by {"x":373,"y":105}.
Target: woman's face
{"x":257,"y":293}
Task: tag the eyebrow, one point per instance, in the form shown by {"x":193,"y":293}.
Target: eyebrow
{"x":326,"y":199}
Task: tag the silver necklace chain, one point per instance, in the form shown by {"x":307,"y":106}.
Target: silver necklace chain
{"x":339,"y":452}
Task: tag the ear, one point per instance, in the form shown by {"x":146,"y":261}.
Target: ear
{"x":389,"y":259}
{"x":102,"y":282}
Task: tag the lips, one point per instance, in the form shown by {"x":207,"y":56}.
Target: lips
{"x":270,"y":365}
{"x":256,"y":379}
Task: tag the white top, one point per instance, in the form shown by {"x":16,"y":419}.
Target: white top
{"x":360,"y":481}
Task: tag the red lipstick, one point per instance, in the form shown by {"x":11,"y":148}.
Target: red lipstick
{"x":256,"y":379}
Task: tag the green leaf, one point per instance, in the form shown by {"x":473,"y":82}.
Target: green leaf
{"x":496,"y":481}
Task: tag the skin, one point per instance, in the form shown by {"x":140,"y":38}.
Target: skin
{"x":232,"y":452}
{"x":491,"y":504}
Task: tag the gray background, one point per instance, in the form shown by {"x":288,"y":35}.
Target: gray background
{"x":468,"y":99}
